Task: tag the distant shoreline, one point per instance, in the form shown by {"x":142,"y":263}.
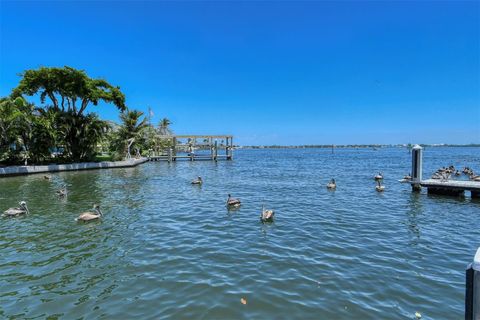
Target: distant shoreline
{"x":358,"y":146}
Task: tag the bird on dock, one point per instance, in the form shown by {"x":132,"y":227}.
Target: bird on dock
{"x":14,"y":212}
{"x":379,"y":186}
{"x":267,"y":215}
{"x":62,"y":192}
{"x":473,"y":177}
{"x":198,"y":181}
{"x":457,"y":173}
{"x":90,"y":215}
{"x":379,"y":176}
{"x":332,"y":185}
{"x":233,"y":202}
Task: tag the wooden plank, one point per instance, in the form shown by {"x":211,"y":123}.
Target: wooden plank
{"x":451,"y":184}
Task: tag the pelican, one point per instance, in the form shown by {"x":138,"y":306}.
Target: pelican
{"x":198,"y":181}
{"x":332,"y":184}
{"x":233,"y":202}
{"x":379,"y":187}
{"x":267,"y":215}
{"x":379,"y":176}
{"x":90,"y":215}
{"x":474,"y":177}
{"x":62,"y":192}
{"x":13,"y":212}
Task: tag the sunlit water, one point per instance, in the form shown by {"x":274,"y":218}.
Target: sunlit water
{"x":167,"y":249}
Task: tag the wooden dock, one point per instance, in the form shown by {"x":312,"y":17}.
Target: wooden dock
{"x":452,"y":187}
{"x":185,"y":147}
{"x":449,"y":187}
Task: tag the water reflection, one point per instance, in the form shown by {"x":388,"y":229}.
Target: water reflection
{"x":415,"y":209}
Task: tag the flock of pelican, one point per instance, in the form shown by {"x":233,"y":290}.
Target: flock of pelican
{"x":266,"y":215}
{"x":86,"y":216}
{"x":332,"y":185}
{"x":446,"y":173}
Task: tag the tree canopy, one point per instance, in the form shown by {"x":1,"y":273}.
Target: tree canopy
{"x":68,"y":89}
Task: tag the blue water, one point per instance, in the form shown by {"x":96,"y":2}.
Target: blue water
{"x":167,"y":249}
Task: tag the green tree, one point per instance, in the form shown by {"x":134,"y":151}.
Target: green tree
{"x":68,"y":89}
{"x":81,"y":134}
{"x":164,"y":127}
{"x":69,"y":92}
{"x":133,"y":125}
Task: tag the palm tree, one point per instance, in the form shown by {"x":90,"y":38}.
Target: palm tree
{"x":164,"y":127}
{"x":132,"y":127}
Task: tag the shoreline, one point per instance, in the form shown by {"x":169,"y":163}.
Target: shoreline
{"x":12,"y":171}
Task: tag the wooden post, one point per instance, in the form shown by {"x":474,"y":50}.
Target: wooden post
{"x":230,"y":150}
{"x":211,"y":146}
{"x":170,"y":151}
{"x":226,"y":148}
{"x":215,"y":151}
{"x":174,"y":147}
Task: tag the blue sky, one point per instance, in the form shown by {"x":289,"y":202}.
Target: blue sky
{"x":268,"y":72}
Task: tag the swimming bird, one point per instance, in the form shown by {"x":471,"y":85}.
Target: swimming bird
{"x":407,"y":177}
{"x":91,"y":215}
{"x":332,"y":184}
{"x":47,"y":177}
{"x":62,"y":192}
{"x":198,"y":180}
{"x":379,"y":186}
{"x":267,"y":215}
{"x":379,"y":176}
{"x":233,"y":202}
{"x":13,"y":212}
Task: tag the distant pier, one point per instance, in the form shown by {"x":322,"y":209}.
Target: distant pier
{"x":194,"y":148}
{"x":448,"y":187}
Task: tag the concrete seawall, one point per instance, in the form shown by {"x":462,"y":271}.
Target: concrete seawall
{"x":23,"y":170}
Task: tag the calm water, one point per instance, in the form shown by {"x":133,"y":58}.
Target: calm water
{"x":166,"y":249}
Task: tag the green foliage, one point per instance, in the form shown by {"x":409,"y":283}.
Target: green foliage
{"x":63,"y":124}
{"x":133,"y":125}
{"x":81,"y":134}
{"x":68,"y":89}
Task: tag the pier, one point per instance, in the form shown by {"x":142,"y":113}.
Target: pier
{"x":447,"y":187}
{"x":193,"y":148}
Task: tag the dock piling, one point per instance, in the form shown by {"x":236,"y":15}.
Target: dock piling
{"x":417,"y":155}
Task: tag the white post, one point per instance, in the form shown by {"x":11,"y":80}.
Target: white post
{"x":472,"y":289}
{"x":417,"y":162}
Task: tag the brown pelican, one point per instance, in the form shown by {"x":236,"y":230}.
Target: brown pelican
{"x":198,"y":181}
{"x":62,"y":192}
{"x":90,"y":215}
{"x":13,"y":212}
{"x":379,"y":176}
{"x":474,"y":177}
{"x":267,"y":215}
{"x":233,"y":202}
{"x":332,"y":184}
{"x":379,"y":186}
